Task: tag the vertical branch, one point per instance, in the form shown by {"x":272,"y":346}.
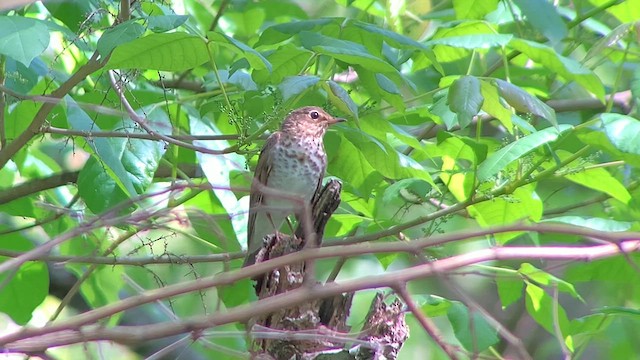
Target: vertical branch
{"x":124,"y":11}
{"x":426,"y":323}
{"x":3,"y":103}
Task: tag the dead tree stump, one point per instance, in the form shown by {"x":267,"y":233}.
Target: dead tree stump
{"x":318,"y":329}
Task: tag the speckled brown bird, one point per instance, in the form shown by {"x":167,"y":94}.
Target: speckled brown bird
{"x":292,"y":162}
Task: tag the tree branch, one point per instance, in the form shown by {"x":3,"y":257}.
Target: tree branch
{"x":75,"y":330}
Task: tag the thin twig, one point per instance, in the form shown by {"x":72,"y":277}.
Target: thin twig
{"x":426,"y":323}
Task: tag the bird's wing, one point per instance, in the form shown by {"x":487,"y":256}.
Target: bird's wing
{"x":260,"y":178}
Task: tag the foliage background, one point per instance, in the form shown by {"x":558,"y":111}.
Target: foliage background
{"x":129,"y":131}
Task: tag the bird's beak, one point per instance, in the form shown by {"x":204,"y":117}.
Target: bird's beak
{"x":336,"y":120}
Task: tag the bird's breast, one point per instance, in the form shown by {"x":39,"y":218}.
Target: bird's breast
{"x":297,"y":168}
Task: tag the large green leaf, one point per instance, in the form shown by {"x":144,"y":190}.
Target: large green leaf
{"x":24,"y":290}
{"x":509,"y":289}
{"x":340,"y":98}
{"x":544,"y":18}
{"x":542,"y":277}
{"x":22,"y":39}
{"x":515,"y":150}
{"x":622,"y":131}
{"x":295,"y":85}
{"x":542,"y":309}
{"x":473,"y":41}
{"x":119,"y":168}
{"x":287,"y":60}
{"x":596,"y":178}
{"x":385,"y":159}
{"x":522,"y":204}
{"x":119,"y":34}
{"x":255,"y":59}
{"x":347,"y":51}
{"x":473,"y":9}
{"x":351,"y":165}
{"x":522,"y":101}
{"x":494,"y":107}
{"x":163,"y":23}
{"x":471,"y":328}
{"x":563,"y":66}
{"x":615,"y":134}
{"x":465,"y":99}
{"x":168,"y":52}
{"x":278,"y":33}
{"x":399,"y":41}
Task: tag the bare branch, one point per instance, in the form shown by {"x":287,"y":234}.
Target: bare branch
{"x":35,"y":339}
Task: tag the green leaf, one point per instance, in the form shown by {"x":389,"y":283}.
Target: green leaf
{"x":340,"y":98}
{"x":385,"y":159}
{"x":352,"y":165}
{"x":492,"y":105}
{"x":287,"y":60}
{"x":24,"y":290}
{"x":523,"y":203}
{"x":544,"y":18}
{"x":622,"y":131}
{"x":19,"y":118}
{"x":433,"y":306}
{"x":211,"y":222}
{"x":119,"y":34}
{"x":522,"y":101}
{"x":281,"y":32}
{"x":110,"y":164}
{"x":380,"y":87}
{"x":255,"y":59}
{"x":465,"y":99}
{"x":544,"y":278}
{"x":22,"y":39}
{"x":563,"y":66}
{"x":406,"y":191}
{"x":346,"y":51}
{"x":120,"y":168}
{"x":164,"y":23}
{"x":166,"y":52}
{"x":515,"y":150}
{"x":472,"y":330}
{"x":295,"y":85}
{"x":602,"y":46}
{"x":593,"y":223}
{"x":473,"y":41}
{"x":399,"y":41}
{"x":473,"y":9}
{"x":509,"y":289}
{"x":541,"y":308}
{"x":441,"y":110}
{"x":600,"y":179}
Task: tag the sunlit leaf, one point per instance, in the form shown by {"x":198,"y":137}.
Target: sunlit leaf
{"x":168,"y":51}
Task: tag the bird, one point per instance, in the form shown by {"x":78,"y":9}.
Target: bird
{"x":290,"y":169}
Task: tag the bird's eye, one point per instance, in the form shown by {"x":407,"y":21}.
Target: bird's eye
{"x":314,"y":115}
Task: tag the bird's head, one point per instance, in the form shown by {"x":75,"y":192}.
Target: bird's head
{"x":308,"y":121}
